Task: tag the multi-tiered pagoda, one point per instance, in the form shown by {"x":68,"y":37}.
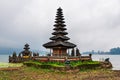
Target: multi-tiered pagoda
{"x":59,"y":44}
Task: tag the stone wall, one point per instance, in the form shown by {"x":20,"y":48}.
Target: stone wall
{"x":18,"y":59}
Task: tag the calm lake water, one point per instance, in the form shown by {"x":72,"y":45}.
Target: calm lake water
{"x":113,"y":58}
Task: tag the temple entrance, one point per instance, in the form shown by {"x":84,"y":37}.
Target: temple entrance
{"x":59,"y":52}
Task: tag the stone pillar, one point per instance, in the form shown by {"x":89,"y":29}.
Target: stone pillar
{"x":90,"y":55}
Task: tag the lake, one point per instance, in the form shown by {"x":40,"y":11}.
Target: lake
{"x":114,"y":59}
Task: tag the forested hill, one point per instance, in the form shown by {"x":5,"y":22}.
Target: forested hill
{"x":113,"y":51}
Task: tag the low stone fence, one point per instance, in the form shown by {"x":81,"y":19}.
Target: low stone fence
{"x":49,"y":58}
{"x":61,"y":59}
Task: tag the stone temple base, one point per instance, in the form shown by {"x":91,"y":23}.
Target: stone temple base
{"x":49,"y":58}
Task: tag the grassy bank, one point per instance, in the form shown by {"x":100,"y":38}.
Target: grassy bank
{"x":62,"y":66}
{"x":35,"y":71}
{"x":32,"y":73}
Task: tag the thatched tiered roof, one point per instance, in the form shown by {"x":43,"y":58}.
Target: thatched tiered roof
{"x":59,"y":39}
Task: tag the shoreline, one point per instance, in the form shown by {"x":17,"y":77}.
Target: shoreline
{"x":30,"y":73}
{"x":18,"y":68}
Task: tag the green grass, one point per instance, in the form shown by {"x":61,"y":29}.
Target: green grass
{"x":78,"y":63}
{"x":57,"y":64}
{"x":5,"y":65}
{"x":32,"y":73}
{"x":60,"y":64}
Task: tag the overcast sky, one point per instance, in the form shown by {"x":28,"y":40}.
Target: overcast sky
{"x":91,"y":24}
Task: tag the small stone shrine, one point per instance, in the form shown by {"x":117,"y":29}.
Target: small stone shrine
{"x":23,"y":56}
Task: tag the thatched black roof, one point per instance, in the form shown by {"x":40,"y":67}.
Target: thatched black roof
{"x":59,"y":39}
{"x":59,"y":32}
{"x":26,"y":51}
{"x":59,"y":24}
{"x":26,"y":47}
{"x":58,"y":28}
{"x":59,"y":44}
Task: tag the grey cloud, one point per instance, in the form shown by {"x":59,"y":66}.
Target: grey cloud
{"x":92,"y":24}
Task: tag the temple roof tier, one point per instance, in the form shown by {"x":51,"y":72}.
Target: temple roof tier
{"x":59,"y":37}
{"x":62,"y":25}
{"x":59,"y":18}
{"x":59,"y":21}
{"x":59,"y":44}
{"x":60,"y":32}
{"x":59,"y":28}
{"x":26,"y":47}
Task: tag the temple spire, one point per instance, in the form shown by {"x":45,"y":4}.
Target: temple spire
{"x":59,"y":42}
{"x":59,"y":30}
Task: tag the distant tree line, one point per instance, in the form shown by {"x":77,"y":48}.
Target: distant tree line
{"x":115,"y":50}
{"x":111,"y":51}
